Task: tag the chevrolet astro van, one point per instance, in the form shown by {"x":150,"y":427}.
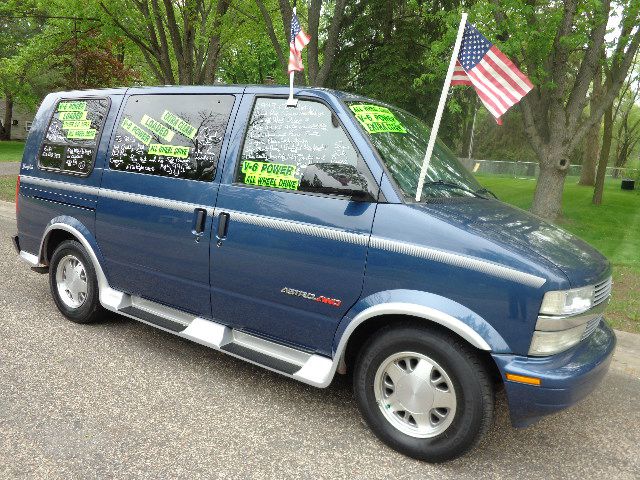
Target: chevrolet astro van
{"x":289,"y":237}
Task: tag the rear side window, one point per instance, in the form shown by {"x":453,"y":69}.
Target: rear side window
{"x":176,"y":136}
{"x":72,"y":137}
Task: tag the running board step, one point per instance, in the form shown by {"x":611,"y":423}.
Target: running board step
{"x":261,"y":358}
{"x":153,"y":318}
{"x":307,"y":367}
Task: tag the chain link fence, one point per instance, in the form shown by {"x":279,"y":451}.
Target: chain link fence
{"x":505,"y":168}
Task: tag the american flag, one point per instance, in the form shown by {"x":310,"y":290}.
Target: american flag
{"x":498,"y":82}
{"x":297,"y":42}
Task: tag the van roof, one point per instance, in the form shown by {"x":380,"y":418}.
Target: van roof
{"x":209,"y":88}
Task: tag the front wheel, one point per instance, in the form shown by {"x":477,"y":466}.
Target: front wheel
{"x":424,"y":393}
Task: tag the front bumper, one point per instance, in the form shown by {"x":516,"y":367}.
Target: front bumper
{"x":566,"y":378}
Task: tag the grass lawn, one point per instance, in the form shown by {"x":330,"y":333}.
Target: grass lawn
{"x":11,"y":151}
{"x":8,"y":188}
{"x":613,"y":228}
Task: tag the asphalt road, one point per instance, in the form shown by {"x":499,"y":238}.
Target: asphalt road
{"x":123,"y":400}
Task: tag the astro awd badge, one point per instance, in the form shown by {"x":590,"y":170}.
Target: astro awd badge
{"x":334,"y":302}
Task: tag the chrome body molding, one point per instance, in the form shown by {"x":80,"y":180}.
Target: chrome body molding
{"x":457,"y":260}
{"x":551,"y":323}
{"x":299,"y":227}
{"x":116,"y":194}
{"x":153,"y":201}
{"x":45,"y":182}
{"x":414,"y":310}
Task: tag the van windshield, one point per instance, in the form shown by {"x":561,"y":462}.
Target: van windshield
{"x":401,"y":140}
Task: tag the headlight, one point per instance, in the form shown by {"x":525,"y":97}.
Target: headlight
{"x":567,"y":302}
{"x":549,"y":343}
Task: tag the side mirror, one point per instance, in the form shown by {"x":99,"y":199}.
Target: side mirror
{"x":335,"y":179}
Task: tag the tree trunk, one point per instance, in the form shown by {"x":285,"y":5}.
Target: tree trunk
{"x":467,"y":131}
{"x":590,"y":159}
{"x":592,"y":145}
{"x":8,"y":117}
{"x":547,"y":199}
{"x":604,"y":156}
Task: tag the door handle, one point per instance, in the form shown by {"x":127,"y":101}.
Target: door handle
{"x":223,"y":228}
{"x":200,"y":221}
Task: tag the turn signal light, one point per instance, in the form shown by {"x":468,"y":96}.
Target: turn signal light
{"x":523,"y":379}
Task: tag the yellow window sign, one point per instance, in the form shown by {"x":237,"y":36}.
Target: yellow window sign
{"x":274,"y":175}
{"x":76,"y":106}
{"x":377,"y":119}
{"x":82,"y":134}
{"x":76,"y":124}
{"x":136,"y":131}
{"x":267,"y":168}
{"x":64,"y":116}
{"x":178,"y":124}
{"x":156,"y":127}
{"x":169,"y":150}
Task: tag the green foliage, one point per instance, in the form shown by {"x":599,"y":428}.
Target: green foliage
{"x":248,"y":56}
{"x":398,"y":52}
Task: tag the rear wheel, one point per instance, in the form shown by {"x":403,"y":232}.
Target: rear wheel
{"x":73,"y":283}
{"x":424,"y":393}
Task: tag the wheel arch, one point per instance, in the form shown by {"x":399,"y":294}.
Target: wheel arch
{"x":421,"y":308}
{"x":64,"y":228}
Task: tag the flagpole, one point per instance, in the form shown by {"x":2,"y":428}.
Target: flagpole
{"x":292,"y":102}
{"x":443,"y":100}
{"x":473,"y":128}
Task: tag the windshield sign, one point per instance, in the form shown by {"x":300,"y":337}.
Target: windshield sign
{"x":401,"y":140}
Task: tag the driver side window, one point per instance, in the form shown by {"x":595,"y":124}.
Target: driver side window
{"x":301,"y":149}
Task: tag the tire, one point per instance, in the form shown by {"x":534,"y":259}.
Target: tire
{"x":71,"y":267}
{"x":390,"y":387}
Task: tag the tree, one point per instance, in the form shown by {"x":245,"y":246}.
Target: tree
{"x":180,"y":41}
{"x":627,"y":134}
{"x":398,"y":52}
{"x":559,"y":44}
{"x":622,"y":110}
{"x":333,"y":13}
{"x":17,"y":30}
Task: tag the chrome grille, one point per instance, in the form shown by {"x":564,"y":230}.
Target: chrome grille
{"x":591,"y":327}
{"x":602,"y":291}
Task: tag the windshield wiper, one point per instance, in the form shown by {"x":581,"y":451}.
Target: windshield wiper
{"x":442,"y":183}
{"x":486,"y":190}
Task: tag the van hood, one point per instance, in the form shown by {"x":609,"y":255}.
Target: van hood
{"x":516,"y":229}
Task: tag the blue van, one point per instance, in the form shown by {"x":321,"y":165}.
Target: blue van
{"x":289,"y":237}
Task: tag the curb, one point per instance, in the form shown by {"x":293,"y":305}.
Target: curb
{"x":626,"y":357}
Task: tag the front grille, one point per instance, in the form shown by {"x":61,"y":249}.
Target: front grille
{"x":602,"y":291}
{"x":591,"y":327}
